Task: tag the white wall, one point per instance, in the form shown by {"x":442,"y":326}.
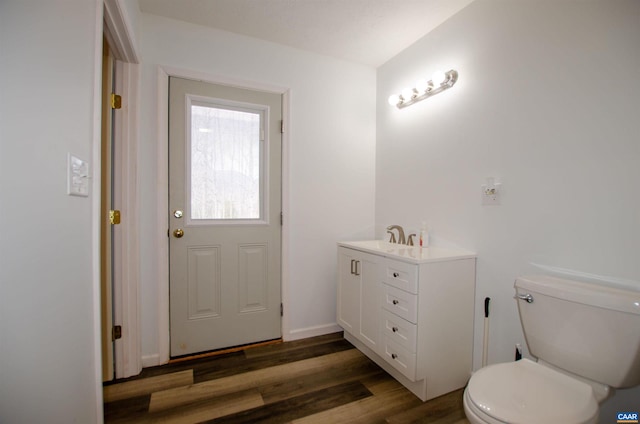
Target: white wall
{"x":48,"y":352}
{"x":547,"y":102}
{"x":331,"y":158}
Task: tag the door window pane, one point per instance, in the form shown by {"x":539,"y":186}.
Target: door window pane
{"x":225,"y":163}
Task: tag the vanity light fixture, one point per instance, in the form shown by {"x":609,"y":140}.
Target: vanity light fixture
{"x":423,"y":89}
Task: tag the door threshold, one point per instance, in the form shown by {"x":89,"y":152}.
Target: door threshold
{"x":222,"y":351}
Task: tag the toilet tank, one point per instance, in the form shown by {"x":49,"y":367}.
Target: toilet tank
{"x":587,"y":329}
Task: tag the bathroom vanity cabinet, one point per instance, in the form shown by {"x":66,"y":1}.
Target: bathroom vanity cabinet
{"x":410,"y":310}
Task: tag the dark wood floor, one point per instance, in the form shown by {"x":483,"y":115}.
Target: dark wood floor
{"x":319,"y":380}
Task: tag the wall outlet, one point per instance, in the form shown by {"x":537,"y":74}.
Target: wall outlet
{"x":490,"y":193}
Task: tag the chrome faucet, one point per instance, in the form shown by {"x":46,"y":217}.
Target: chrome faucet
{"x":401,"y":239}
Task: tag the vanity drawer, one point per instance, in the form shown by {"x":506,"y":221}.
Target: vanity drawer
{"x":399,"y":331}
{"x":401,"y":303}
{"x":400,"y":358}
{"x":401,"y":275}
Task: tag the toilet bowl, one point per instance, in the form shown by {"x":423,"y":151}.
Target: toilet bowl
{"x":527,"y":392}
{"x":567,"y":326}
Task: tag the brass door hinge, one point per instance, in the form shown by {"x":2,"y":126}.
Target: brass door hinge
{"x":282,"y":126}
{"x":116,"y":101}
{"x":116,"y":332}
{"x":114,"y":217}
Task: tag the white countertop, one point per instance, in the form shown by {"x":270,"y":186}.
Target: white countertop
{"x":411,"y":254}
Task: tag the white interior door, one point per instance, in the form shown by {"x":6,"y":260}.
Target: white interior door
{"x":224,"y":215}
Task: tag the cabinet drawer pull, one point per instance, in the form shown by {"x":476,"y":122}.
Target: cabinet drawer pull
{"x":395,"y":301}
{"x":396,"y":275}
{"x":394,"y":329}
{"x":394,"y":356}
{"x":354,"y":267}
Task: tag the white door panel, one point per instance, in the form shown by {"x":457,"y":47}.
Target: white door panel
{"x":203,"y":281}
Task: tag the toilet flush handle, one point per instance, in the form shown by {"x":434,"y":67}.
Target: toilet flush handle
{"x":527,"y":297}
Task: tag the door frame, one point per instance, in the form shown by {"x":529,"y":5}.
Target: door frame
{"x":126,"y":291}
{"x":163,"y":74}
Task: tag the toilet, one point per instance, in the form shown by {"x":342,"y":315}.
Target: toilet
{"x":586,"y":338}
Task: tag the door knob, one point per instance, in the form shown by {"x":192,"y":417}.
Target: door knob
{"x":178,"y":233}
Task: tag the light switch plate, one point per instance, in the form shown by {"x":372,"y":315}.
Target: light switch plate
{"x":77,"y":176}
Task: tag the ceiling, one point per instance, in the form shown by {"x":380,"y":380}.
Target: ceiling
{"x":369,"y":32}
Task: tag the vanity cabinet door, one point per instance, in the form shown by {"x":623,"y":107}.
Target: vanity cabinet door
{"x":358,"y":306}
{"x":348,"y":305}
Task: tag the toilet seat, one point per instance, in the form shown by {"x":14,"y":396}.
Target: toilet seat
{"x":527,"y":392}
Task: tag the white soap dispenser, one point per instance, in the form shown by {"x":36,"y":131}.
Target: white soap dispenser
{"x":424,"y":235}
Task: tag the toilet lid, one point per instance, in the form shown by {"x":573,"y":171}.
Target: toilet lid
{"x":527,"y":392}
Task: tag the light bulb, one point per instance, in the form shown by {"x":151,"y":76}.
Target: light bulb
{"x":407,"y":94}
{"x":394,"y":99}
{"x":422,"y":86}
{"x":438,"y":78}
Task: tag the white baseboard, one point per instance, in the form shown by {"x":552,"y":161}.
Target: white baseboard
{"x":304,"y":333}
{"x":151,"y":360}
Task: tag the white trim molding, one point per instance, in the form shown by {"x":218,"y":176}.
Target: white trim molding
{"x":162,"y":219}
{"x":95,"y":211}
{"x":118,"y":32}
{"x":150,"y":360}
{"x":126,"y":296}
{"x":318,"y":330}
